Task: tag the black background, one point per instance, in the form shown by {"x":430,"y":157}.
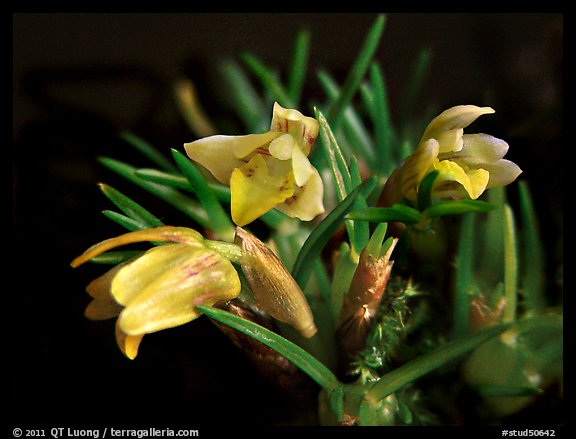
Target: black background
{"x":79,"y":78}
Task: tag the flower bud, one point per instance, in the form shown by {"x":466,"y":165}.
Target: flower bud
{"x":275,"y":290}
{"x":361,"y":303}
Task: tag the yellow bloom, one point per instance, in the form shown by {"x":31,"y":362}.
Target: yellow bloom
{"x":468,"y":164}
{"x":268,"y":170}
{"x":161,"y":288}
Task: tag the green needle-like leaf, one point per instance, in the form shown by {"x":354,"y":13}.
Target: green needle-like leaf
{"x":510,"y":265}
{"x":124,"y":221}
{"x":269,"y":80}
{"x":115,"y":257}
{"x":425,"y":190}
{"x":324,"y":231}
{"x":247,"y":103}
{"x":148,"y":151}
{"x":297,"y":72}
{"x":533,"y":276}
{"x":380,"y":115}
{"x":398,"y":212}
{"x":415,"y":84}
{"x":309,"y":364}
{"x":171,"y":196}
{"x":178,"y":181}
{"x":221,"y":223}
{"x":132,"y":209}
{"x":334,"y":157}
{"x":422,"y":365}
{"x":357,"y":71}
{"x":458,"y":207}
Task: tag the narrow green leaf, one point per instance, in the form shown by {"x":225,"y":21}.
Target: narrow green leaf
{"x":132,"y":209}
{"x":298,"y":67}
{"x":463,"y":276}
{"x":426,"y":363}
{"x":124,"y":221}
{"x":341,"y":279}
{"x":356,"y":132}
{"x":357,"y":71}
{"x":381,"y":120}
{"x":220,"y":220}
{"x":178,"y":181}
{"x":309,"y":364}
{"x":268,"y":79}
{"x":247,"y":103}
{"x":398,"y":212}
{"x":323,"y":232}
{"x":533,"y":274}
{"x":334,"y":157}
{"x":115,"y":257}
{"x":415,"y":84}
{"x":510,"y":266}
{"x":361,"y":229}
{"x":458,"y":207}
{"x":374,"y":246}
{"x":147,"y":150}
{"x":171,"y":196}
{"x":425,"y":190}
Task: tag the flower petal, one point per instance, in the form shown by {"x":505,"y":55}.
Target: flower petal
{"x":222,"y":154}
{"x":417,"y":166}
{"x":159,"y":234}
{"x":100,"y":309}
{"x":301,"y":167}
{"x":128,"y":344}
{"x":454,"y":118}
{"x":254,"y":191}
{"x":502,"y":172}
{"x":281,"y":147}
{"x":134,"y":278}
{"x":304,"y":129}
{"x":202,"y":277}
{"x":307,"y":201}
{"x":478,"y":150}
{"x":473,"y":181}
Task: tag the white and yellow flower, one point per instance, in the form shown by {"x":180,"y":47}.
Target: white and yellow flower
{"x":268,"y":170}
{"x":468,"y":164}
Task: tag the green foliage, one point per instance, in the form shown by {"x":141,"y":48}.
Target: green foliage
{"x":421,"y":325}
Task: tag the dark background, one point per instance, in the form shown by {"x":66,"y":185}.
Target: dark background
{"x":79,"y":78}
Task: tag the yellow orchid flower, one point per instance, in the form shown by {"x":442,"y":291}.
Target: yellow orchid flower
{"x":468,"y":164}
{"x":161,"y":288}
{"x":268,"y":170}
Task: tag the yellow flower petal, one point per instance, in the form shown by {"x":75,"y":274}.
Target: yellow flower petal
{"x":307,"y":201}
{"x":473,"y":181}
{"x":454,"y":118}
{"x":128,"y":344}
{"x":222,"y":154}
{"x":194,"y":277}
{"x":417,"y":166}
{"x":281,"y":147}
{"x":301,"y":167}
{"x":159,"y":234}
{"x":100,"y":309}
{"x":304,"y":129}
{"x":254,"y":191}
